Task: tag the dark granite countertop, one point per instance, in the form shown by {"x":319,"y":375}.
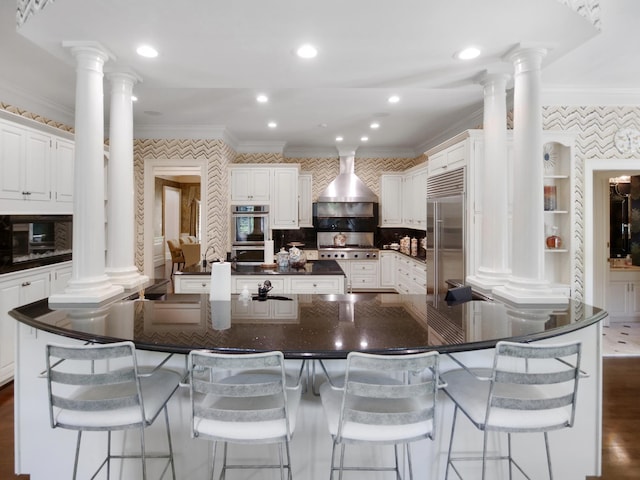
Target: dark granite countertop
{"x":308,"y":326}
{"x":324,"y":267}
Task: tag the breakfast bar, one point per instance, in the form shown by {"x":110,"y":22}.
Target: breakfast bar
{"x":307,"y":328}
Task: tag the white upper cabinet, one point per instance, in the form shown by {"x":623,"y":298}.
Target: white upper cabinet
{"x":12,"y":150}
{"x":275,"y":185}
{"x":250,"y":185}
{"x":284,"y":198}
{"x":64,"y":152}
{"x":391,"y":199}
{"x":404,"y":198}
{"x":305,"y":200}
{"x":36,"y":170}
{"x":25,"y":158}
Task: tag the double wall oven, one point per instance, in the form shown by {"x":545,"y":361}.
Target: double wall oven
{"x":249,"y":230}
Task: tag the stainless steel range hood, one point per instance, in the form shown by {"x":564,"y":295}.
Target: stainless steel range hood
{"x":347,"y":187}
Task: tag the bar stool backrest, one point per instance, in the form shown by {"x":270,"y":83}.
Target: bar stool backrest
{"x":225,"y":377}
{"x":413,"y":395}
{"x":109,"y":371}
{"x":539,"y":380}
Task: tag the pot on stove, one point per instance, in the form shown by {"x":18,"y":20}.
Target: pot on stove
{"x":339,"y":240}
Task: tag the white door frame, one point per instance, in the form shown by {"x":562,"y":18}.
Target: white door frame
{"x":596,"y":267}
{"x":170,"y":207}
{"x":166,"y":166}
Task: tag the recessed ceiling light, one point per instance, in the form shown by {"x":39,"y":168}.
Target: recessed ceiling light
{"x":147,"y":51}
{"x":374,"y":125}
{"x":364,"y":139}
{"x":262,"y":98}
{"x":468,"y":53}
{"x":394,"y":99}
{"x":134,"y":98}
{"x":272,"y":124}
{"x":339,"y":139}
{"x":307,"y":51}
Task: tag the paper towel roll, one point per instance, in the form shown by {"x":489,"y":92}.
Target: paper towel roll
{"x":220,"y":281}
{"x":268,"y":252}
{"x":221,"y":314}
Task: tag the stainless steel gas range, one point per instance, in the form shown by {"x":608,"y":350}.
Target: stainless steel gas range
{"x":346,"y":246}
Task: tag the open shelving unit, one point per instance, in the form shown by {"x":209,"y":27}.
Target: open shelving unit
{"x":558,"y":165}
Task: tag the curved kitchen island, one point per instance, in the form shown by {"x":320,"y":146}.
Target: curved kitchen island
{"x":305,"y":327}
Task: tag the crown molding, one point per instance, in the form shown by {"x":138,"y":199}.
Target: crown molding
{"x":24,"y":100}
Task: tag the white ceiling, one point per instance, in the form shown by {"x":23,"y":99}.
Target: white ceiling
{"x":215,"y":56}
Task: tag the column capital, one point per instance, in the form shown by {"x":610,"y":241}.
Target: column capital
{"x":123,"y":76}
{"x":526,"y":57}
{"x":96,"y":49}
{"x":492,"y":78}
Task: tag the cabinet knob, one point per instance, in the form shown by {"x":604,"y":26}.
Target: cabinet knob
{"x":26,"y":284}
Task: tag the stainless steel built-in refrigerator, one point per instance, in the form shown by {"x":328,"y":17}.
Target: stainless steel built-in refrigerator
{"x":445,"y":230}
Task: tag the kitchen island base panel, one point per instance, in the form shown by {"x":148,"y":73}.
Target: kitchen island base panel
{"x":41,"y":450}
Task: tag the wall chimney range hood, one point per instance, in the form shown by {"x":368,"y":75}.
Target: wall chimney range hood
{"x":347,"y":187}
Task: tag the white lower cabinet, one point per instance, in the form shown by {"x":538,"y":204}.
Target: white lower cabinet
{"x":623,"y":296}
{"x":60,"y":276}
{"x":17,"y":289}
{"x":387,"y":269}
{"x":411,"y":275}
{"x":282,"y":284}
{"x":364,"y":274}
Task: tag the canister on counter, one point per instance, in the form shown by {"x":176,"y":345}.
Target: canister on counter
{"x":405,"y":245}
{"x":414,"y":247}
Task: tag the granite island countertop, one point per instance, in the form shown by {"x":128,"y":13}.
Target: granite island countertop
{"x":308,"y":326}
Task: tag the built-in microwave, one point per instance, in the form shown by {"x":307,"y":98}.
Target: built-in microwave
{"x":28,"y":241}
{"x":249,"y":225}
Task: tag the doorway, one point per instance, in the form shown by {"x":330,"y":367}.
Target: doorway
{"x":597,"y":214}
{"x":154,"y":235}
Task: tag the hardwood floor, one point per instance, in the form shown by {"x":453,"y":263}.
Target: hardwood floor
{"x":621,"y":422}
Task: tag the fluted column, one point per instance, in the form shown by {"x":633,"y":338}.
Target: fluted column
{"x":527,"y":282}
{"x":493,"y":267}
{"x":89,"y":284}
{"x":120,"y":185}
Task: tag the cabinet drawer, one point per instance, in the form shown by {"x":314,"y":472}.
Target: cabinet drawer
{"x":193,"y":285}
{"x":318,"y":285}
{"x":364,"y":268}
{"x":363,"y":281}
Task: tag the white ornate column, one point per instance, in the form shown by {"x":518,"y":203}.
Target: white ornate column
{"x":527,"y":284}
{"x":89,"y":284}
{"x":493,"y":267}
{"x":120,"y":185}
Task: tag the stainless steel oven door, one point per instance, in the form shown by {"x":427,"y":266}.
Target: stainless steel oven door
{"x":249,"y":228}
{"x":248,"y":255}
